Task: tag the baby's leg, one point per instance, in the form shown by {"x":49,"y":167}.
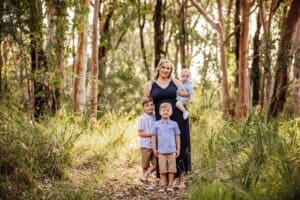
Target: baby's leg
{"x":180,"y":106}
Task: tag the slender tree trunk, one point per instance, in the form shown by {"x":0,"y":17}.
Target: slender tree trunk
{"x":219,"y":27}
{"x":95,"y":64}
{"x":242,"y":105}
{"x":296,"y":89}
{"x":104,"y":45}
{"x":183,"y":34}
{"x":255,"y":69}
{"x":79,"y":93}
{"x":142,"y":21}
{"x":39,"y":64}
{"x":237,"y":29}
{"x":158,"y":33}
{"x":266,"y":21}
{"x":283,"y":60}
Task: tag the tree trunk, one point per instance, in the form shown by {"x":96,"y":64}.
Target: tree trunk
{"x":219,"y":27}
{"x":296,"y":89}
{"x":79,"y":93}
{"x":158,"y":33}
{"x":142,"y":21}
{"x":283,"y":60}
{"x":242,"y":105}
{"x":39,"y":66}
{"x":237,"y":30}
{"x":266,"y":83}
{"x":182,"y":34}
{"x":255,"y":69}
{"x":95,"y":64}
{"x":104,"y":45}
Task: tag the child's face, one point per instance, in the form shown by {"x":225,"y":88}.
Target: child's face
{"x":166,"y":112}
{"x":148,"y":107}
{"x":185,"y":76}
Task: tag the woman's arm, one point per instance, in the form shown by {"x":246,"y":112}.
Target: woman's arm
{"x":147,"y":89}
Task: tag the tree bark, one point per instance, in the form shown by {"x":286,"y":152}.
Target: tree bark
{"x":283,"y":60}
{"x":255,"y":69}
{"x":142,"y":21}
{"x":237,"y":29}
{"x":182,"y":33}
{"x":158,"y":33}
{"x":242,"y":105}
{"x":95,"y":64}
{"x":296,"y":89}
{"x":79,"y":93}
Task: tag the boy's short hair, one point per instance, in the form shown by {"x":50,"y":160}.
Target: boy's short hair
{"x":146,"y":100}
{"x":165,"y":105}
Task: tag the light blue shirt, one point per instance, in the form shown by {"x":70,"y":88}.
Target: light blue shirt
{"x":145,"y":124}
{"x":166,"y":135}
{"x":186,"y":86}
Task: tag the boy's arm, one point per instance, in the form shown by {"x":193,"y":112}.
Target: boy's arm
{"x":153,"y":143}
{"x":177,"y":145}
{"x":143,"y":134}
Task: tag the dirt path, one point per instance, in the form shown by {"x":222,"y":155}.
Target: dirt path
{"x":124,"y":183}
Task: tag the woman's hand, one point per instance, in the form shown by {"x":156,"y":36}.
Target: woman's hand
{"x":183,"y":93}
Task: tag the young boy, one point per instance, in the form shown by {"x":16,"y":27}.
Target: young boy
{"x":188,"y":87}
{"x":166,"y":146}
{"x":144,"y":127}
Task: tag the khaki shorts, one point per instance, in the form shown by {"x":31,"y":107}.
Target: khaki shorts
{"x":147,"y":158}
{"x":167,"y":163}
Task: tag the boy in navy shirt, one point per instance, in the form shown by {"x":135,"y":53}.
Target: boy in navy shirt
{"x":166,"y":146}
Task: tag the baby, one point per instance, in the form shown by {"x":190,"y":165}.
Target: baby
{"x":187,"y":86}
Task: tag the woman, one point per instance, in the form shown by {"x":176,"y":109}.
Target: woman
{"x":163,"y":89}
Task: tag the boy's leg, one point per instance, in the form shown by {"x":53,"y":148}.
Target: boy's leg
{"x":146,"y":156}
{"x":171,"y":170}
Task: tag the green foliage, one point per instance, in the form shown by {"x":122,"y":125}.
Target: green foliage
{"x":31,"y":152}
{"x":256,"y":159}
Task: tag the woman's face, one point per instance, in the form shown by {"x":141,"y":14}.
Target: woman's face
{"x":165,"y":70}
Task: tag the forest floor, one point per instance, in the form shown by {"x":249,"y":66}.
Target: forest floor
{"x":121,"y":181}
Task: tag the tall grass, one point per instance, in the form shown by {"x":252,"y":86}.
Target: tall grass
{"x":256,"y":159}
{"x":32,"y":152}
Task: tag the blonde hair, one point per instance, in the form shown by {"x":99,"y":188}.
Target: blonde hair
{"x":165,"y":105}
{"x":161,"y":62}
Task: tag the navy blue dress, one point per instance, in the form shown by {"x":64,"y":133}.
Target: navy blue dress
{"x":168,"y":94}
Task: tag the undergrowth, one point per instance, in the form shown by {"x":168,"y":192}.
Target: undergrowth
{"x":256,"y":159}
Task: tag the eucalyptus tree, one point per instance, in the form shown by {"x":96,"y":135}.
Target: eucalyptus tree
{"x":95,"y":65}
{"x":284,"y":59}
{"x":219,"y":27}
{"x":79,"y":90}
{"x":296,"y":88}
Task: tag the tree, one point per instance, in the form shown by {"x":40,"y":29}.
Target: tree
{"x":79,"y":92}
{"x":284,"y":59}
{"x":95,"y":64}
{"x":266,"y":19}
{"x":158,"y":33}
{"x":255,"y":69}
{"x":219,"y":27}
{"x":142,"y":22}
{"x":296,"y":89}
{"x":242,"y":104}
